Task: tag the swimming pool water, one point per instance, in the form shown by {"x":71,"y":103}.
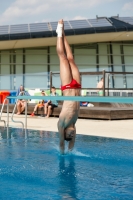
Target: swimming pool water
{"x":31,"y":167}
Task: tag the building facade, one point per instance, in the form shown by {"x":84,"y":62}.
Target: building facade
{"x":28,"y":52}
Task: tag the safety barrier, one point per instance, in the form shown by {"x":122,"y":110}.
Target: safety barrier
{"x":125,"y":100}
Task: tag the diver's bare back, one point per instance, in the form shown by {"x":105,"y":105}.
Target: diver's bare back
{"x":70,"y":109}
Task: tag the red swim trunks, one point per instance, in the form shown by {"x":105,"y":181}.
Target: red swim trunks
{"x":72,"y":85}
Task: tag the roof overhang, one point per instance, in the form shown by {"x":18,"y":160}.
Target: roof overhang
{"x":73,"y":39}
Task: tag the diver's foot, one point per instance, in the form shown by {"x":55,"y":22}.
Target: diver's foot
{"x":60,"y":28}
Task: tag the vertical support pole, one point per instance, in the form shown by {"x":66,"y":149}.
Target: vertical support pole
{"x":50,"y":80}
{"x":112,"y":65}
{"x":104,"y":83}
{"x":14,"y":69}
{"x":108,"y":84}
{"x":97,"y":62}
{"x":26,"y":115}
{"x":7,"y":118}
{"x":11,"y":70}
{"x":123,"y":65}
{"x":24,"y":67}
{"x":81,"y":91}
{"x":48,"y":65}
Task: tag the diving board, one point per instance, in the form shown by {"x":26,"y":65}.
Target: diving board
{"x":78,"y":98}
{"x":125,"y":100}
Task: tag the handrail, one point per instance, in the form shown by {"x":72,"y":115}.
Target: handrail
{"x":97,"y":73}
{"x":15,"y":108}
{"x":76,"y":54}
{"x":13,"y":115}
{"x":79,"y":98}
{"x":64,"y":98}
{"x":1,"y":113}
{"x":26,"y":115}
{"x":105,"y":89}
{"x":103,"y":73}
{"x":81,"y":64}
{"x":7,"y":113}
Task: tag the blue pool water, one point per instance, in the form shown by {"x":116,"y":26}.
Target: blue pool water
{"x":31,"y":167}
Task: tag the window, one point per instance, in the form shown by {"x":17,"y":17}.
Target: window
{"x":128,"y":57}
{"x":5,"y":70}
{"x":117,"y":66}
{"x":36,"y":68}
{"x":55,"y":67}
{"x":85,"y":58}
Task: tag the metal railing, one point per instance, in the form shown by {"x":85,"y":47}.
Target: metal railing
{"x":107,"y":89}
{"x":113,"y":82}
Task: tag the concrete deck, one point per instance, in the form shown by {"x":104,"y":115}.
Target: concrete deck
{"x":116,"y":129}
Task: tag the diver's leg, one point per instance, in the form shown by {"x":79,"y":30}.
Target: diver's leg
{"x":74,"y":68}
{"x":71,"y":143}
{"x":65,"y":70}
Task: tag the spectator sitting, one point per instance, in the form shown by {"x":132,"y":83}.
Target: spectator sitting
{"x":50,"y":105}
{"x":40,"y":104}
{"x":100,"y":87}
{"x":21,"y":102}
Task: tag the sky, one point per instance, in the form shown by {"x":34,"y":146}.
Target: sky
{"x":35,"y":11}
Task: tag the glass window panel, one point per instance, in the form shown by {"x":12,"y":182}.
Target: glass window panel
{"x":86,"y":62}
{"x":54,"y":60}
{"x":117,"y":66}
{"x":19,"y":68}
{"x":128,"y":50}
{"x":103,"y":58}
{"x":36,"y":68}
{"x":54,"y":67}
{"x":5,"y":70}
{"x":33,"y":81}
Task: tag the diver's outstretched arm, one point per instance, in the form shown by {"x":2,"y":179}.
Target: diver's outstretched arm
{"x":72,"y":142}
{"x":61,"y":137}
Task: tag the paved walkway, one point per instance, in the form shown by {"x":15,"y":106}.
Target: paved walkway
{"x":116,"y":129}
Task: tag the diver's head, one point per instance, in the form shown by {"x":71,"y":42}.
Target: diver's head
{"x":69,"y":133}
